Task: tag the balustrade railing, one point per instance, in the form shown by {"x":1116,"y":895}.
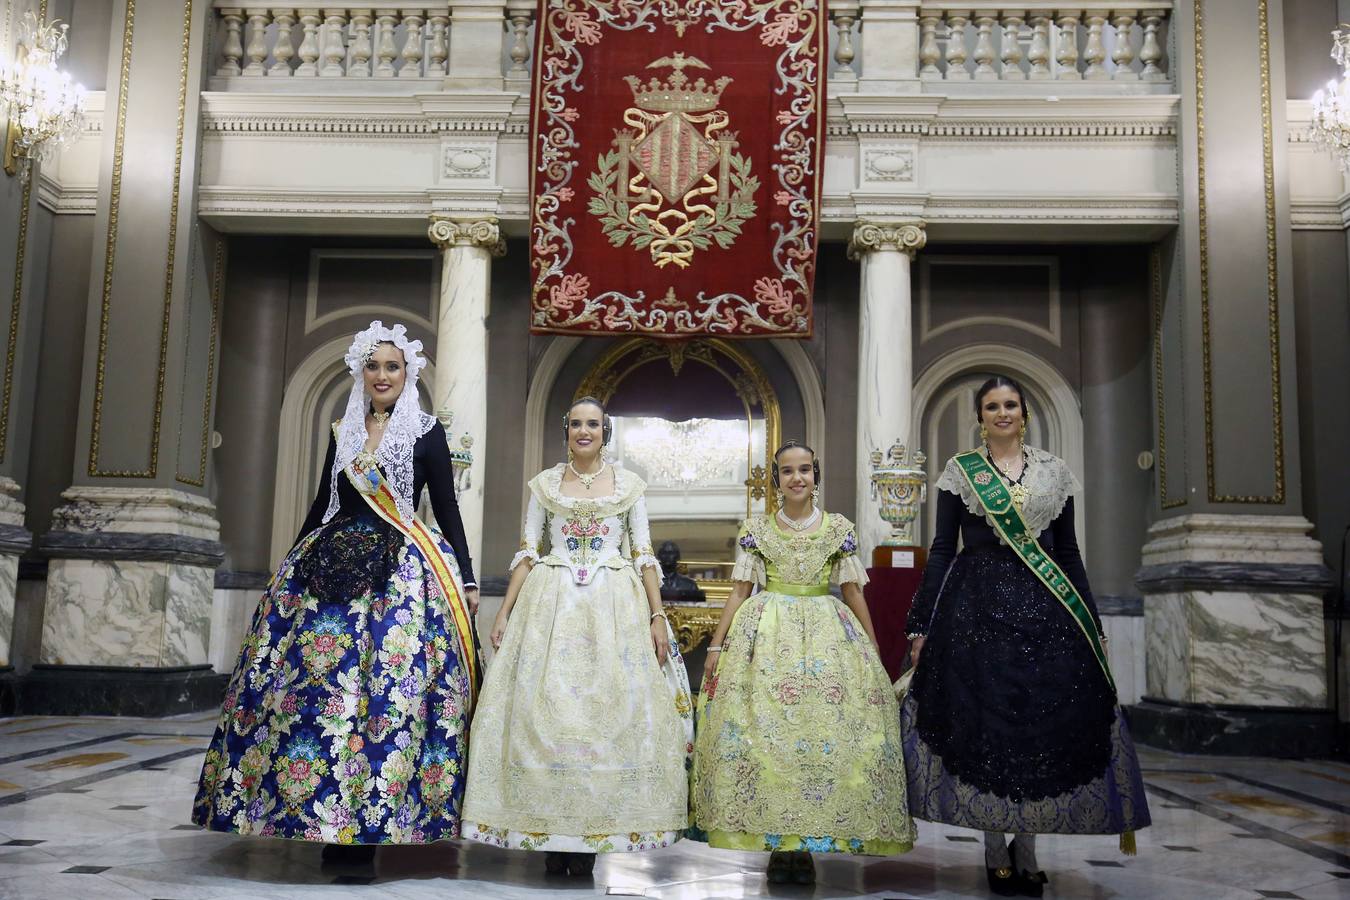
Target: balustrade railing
{"x":1007,"y":43}
{"x":956,"y":43}
{"x":399,"y":41}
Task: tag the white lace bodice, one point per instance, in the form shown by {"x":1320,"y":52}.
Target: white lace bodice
{"x":586,"y":535}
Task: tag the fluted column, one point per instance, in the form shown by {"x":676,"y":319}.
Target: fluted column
{"x":885,"y":356}
{"x":460,"y":393}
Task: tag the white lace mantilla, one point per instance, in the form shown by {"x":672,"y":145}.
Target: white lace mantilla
{"x":586,"y":534}
{"x":1049,"y":482}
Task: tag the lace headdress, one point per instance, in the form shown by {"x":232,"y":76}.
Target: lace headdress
{"x":406,"y":422}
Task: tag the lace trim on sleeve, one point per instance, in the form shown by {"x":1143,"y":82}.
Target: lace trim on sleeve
{"x":527,"y":553}
{"x":749,"y":567}
{"x":849,"y":569}
{"x":646,"y":560}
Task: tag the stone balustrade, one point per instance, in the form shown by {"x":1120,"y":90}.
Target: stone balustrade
{"x":399,"y":41}
{"x":955,"y":42}
{"x":1011,"y":42}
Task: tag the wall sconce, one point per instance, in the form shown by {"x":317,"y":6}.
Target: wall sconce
{"x":43,"y":105}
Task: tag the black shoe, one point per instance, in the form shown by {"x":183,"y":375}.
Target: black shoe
{"x":1002,"y":882}
{"x":780,"y":867}
{"x":581,"y":863}
{"x":555,"y":863}
{"x":349,"y":854}
{"x":803,"y":868}
{"x":1029,"y":884}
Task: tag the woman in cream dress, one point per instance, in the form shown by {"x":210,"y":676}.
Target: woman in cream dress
{"x":584,"y":725}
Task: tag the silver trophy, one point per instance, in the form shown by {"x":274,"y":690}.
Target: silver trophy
{"x":900,"y":485}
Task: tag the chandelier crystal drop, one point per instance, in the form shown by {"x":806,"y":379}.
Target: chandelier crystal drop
{"x":683,"y":454}
{"x":1331,"y":107}
{"x":44,"y":106}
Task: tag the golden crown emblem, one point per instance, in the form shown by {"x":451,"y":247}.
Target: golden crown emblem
{"x":677,"y":94}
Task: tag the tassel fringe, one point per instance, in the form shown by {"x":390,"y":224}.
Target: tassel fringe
{"x":1127,"y":845}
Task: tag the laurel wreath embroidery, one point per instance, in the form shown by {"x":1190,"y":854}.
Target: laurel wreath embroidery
{"x":621,"y":224}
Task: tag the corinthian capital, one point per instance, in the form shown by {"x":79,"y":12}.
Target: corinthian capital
{"x":906,"y":237}
{"x":445,"y":232}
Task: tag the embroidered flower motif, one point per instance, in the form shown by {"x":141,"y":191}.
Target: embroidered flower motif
{"x":983,"y":478}
{"x":748,"y":542}
{"x":850,"y":544}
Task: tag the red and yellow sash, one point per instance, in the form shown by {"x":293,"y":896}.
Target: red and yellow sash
{"x":371,"y":485}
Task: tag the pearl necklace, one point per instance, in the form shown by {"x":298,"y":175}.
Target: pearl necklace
{"x":587,"y":480}
{"x":800,"y":524}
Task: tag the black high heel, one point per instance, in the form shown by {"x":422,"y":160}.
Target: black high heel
{"x":1002,"y":882}
{"x":1029,"y":884}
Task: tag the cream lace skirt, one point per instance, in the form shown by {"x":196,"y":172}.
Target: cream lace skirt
{"x":580,"y":739}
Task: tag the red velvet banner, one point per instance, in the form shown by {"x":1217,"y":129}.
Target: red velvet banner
{"x":675,"y":166}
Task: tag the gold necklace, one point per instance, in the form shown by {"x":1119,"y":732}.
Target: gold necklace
{"x":380,"y":419}
{"x":587,"y":480}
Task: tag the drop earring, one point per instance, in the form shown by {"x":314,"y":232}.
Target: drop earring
{"x":781,"y":499}
{"x":984,"y":433}
{"x":569,"y":454}
{"x":1022,"y":432}
{"x":815,"y":497}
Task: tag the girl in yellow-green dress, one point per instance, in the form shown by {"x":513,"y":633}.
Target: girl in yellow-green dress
{"x":798,"y":739}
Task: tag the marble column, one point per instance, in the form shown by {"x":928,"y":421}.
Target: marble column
{"x":133,"y":548}
{"x":885,"y":356}
{"x":460,"y":393}
{"x":14,"y":540}
{"x":1232,"y":580}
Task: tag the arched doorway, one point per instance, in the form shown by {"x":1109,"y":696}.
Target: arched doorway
{"x":944,"y":413}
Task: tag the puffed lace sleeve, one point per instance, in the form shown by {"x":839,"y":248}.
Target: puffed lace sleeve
{"x":640,"y":537}
{"x":532,"y":536}
{"x":749,"y":563}
{"x":848,"y":568}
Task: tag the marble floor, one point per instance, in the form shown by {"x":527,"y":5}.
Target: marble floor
{"x":97,"y":808}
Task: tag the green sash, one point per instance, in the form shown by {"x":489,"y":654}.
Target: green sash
{"x":997,"y":502}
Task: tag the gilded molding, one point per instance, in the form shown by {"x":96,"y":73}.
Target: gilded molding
{"x":1272,"y":272}
{"x":124,"y":91}
{"x":485,"y":233}
{"x":208,"y":398}
{"x":15,"y":307}
{"x":908,"y":238}
{"x":1159,"y":400}
{"x":109,"y":256}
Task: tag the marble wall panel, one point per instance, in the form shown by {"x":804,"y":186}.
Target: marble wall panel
{"x":187,"y":616}
{"x":121,"y":613}
{"x":231,"y":614}
{"x":9,"y":586}
{"x":1125,"y":652}
{"x":1256,"y":649}
{"x":1265,"y":649}
{"x":1168,"y":652}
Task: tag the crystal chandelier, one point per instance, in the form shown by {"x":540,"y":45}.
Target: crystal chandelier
{"x":683,"y":454}
{"x":43,"y":105}
{"x":1331,"y":107}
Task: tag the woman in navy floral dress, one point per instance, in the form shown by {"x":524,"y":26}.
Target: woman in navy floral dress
{"x":346,"y":719}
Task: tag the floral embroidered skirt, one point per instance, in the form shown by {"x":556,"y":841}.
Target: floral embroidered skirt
{"x":581,"y":739}
{"x":345,"y":720}
{"x":798,"y":743}
{"x":1010,"y":725}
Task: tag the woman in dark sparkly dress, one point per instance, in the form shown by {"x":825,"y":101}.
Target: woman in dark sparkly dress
{"x":347,"y":715}
{"x":1011,"y":723}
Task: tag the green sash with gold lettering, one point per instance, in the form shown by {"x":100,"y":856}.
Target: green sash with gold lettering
{"x":1007,"y":519}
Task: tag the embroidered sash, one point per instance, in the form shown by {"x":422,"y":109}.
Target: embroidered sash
{"x":371,"y":485}
{"x":997,"y":502}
